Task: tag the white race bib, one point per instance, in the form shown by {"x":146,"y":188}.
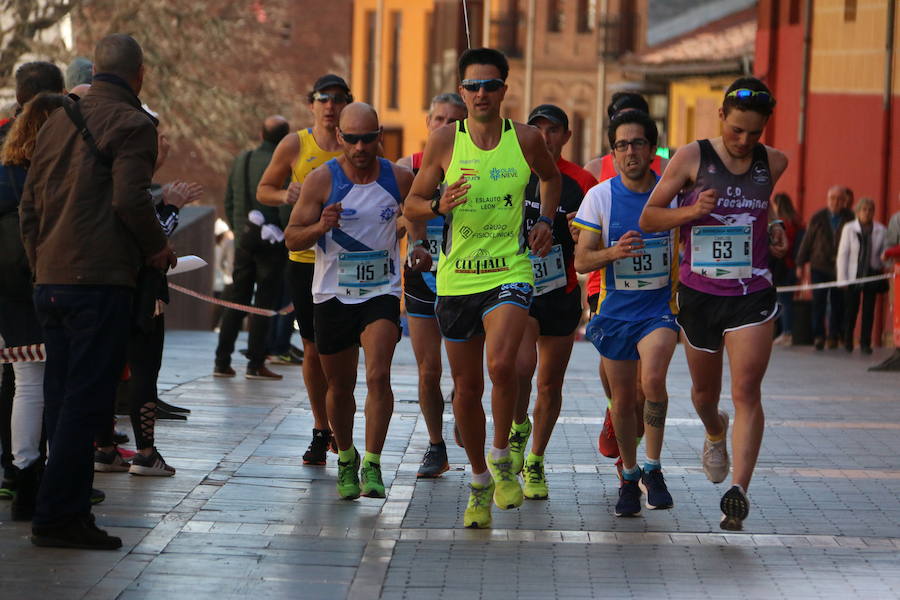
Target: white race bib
{"x":363,"y":274}
{"x":722,"y":252}
{"x":434,"y":235}
{"x":649,"y":271}
{"x":549,"y":272}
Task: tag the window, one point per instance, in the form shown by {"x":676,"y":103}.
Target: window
{"x":394,"y":68}
{"x":849,"y":11}
{"x":370,"y":56}
{"x":556,"y":16}
{"x":587,"y":15}
{"x":578,"y":139}
{"x":508,"y":29}
{"x":794,"y":12}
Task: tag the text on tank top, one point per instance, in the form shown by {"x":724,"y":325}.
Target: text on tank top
{"x":484,"y":244}
{"x":310,"y":157}
{"x":726,"y":253}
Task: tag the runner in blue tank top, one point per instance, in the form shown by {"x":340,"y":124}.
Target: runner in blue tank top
{"x":348,"y":209}
{"x":726,"y":297}
{"x":633,"y":319}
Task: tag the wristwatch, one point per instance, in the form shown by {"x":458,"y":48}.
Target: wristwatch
{"x":436,"y":206}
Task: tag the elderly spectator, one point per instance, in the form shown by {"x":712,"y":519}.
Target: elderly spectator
{"x":859,"y":255}
{"x":88,"y":224}
{"x":819,"y":248}
{"x":79,"y":72}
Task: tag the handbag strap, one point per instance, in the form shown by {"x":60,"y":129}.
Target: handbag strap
{"x":77,"y":118}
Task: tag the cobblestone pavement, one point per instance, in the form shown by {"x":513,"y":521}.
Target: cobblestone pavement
{"x":244,"y":518}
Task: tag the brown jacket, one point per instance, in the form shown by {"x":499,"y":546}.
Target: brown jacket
{"x":819,"y":245}
{"x":83,"y":222}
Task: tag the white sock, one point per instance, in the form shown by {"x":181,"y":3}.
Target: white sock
{"x":481,"y":479}
{"x":498,"y":453}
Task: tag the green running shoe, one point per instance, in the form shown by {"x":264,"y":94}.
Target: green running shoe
{"x":348,"y":479}
{"x":372,"y":486}
{"x":518,"y":440}
{"x":535,"y":481}
{"x":507,"y":491}
{"x":478,"y":510}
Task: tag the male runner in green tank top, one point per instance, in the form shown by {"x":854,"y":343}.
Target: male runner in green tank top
{"x":485,"y":280}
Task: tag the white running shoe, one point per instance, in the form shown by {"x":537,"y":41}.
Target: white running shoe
{"x":715,"y":455}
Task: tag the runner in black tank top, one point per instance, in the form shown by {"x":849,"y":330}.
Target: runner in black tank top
{"x":726,"y":299}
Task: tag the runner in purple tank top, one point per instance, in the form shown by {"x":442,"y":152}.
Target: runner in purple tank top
{"x":726,"y":297}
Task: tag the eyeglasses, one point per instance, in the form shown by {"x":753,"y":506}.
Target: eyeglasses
{"x":489,"y":85}
{"x":636,"y":143}
{"x":365,"y":138}
{"x":745,"y":94}
{"x":335,"y":98}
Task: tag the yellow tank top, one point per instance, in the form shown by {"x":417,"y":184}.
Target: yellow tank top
{"x":310,"y":157}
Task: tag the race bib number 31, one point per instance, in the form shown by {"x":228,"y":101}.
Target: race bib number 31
{"x":549,"y":272}
{"x":722,"y":252}
{"x":362,"y":274}
{"x":649,"y":271}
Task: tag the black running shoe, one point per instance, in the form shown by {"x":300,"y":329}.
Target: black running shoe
{"x":160,"y":403}
{"x":318,"y":447}
{"x":120,"y":437}
{"x":80,"y":533}
{"x":97,"y":496}
{"x":654,"y":485}
{"x":434,"y":462}
{"x":735,"y":507}
{"x":629,"y":504}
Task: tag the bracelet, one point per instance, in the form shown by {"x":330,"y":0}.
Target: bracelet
{"x":547,"y":220}
{"x":419,"y":243}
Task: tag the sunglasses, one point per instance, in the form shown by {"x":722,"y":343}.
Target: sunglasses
{"x":335,"y":98}
{"x":365,"y":138}
{"x":745,"y":94}
{"x":489,"y":85}
{"x":636,"y":143}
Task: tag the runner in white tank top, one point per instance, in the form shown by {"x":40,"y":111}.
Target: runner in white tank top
{"x":348,"y":209}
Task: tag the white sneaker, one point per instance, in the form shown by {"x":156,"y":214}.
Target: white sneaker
{"x":715,"y":455}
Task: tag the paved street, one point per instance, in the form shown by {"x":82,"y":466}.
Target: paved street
{"x":243,"y":518}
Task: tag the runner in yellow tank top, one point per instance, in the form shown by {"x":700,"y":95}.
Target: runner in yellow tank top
{"x":295,"y":157}
{"x":484,"y":276}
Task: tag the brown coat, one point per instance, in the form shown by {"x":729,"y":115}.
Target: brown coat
{"x":819,"y":245}
{"x":83,"y":222}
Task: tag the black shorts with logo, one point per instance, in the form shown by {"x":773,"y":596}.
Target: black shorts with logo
{"x":417,"y":296}
{"x":706,"y":318}
{"x":462,"y":317}
{"x":339,"y":325}
{"x":558,"y":313}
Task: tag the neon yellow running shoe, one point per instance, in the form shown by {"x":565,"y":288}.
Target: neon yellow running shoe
{"x":348,"y":479}
{"x":518,"y":440}
{"x":535,"y":482}
{"x":372,"y":486}
{"x":507,"y":490}
{"x":478,"y":510}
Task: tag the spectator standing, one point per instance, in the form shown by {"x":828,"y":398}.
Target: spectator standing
{"x":819,"y":249}
{"x":88,"y":223}
{"x":784,"y":269}
{"x":859,"y":255}
{"x":31,"y":79}
{"x":256,"y":262}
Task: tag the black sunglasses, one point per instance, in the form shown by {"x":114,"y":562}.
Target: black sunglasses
{"x":335,"y":98}
{"x":365,"y":138}
{"x":489,"y":85}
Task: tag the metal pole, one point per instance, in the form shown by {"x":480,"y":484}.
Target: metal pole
{"x":887,"y":108}
{"x":804,"y":95}
{"x":529,"y":59}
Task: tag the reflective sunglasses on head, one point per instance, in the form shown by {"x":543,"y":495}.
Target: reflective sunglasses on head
{"x":337,"y":98}
{"x":489,"y":85}
{"x":365,"y":138}
{"x":636,"y":143}
{"x":745,"y":94}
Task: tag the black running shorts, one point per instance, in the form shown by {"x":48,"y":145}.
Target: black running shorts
{"x":300,"y":276}
{"x":558,"y":313}
{"x":706,"y":318}
{"x":338,"y":325}
{"x":461,"y":317}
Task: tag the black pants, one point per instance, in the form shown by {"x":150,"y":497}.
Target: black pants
{"x":821,"y":300}
{"x":256,"y":263}
{"x":86,"y":335}
{"x":851,"y":301}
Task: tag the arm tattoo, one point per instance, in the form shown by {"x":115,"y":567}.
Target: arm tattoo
{"x":655,"y":413}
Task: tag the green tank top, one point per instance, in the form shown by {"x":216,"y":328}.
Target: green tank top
{"x":484,"y":243}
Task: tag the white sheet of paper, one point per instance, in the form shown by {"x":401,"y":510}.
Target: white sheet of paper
{"x":187,"y":263}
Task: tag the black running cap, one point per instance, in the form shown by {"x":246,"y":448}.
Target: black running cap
{"x":330,"y":80}
{"x":552,"y":113}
